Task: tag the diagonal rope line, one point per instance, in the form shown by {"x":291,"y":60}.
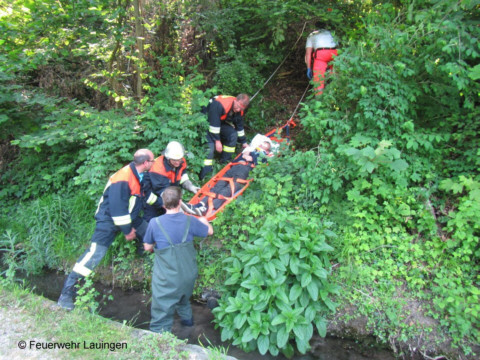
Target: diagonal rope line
{"x":279,"y":66}
{"x":294,"y":111}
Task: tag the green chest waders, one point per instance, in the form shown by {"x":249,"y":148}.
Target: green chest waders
{"x":174,"y":273}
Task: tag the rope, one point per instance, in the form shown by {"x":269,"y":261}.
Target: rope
{"x":294,"y":111}
{"x":279,"y":66}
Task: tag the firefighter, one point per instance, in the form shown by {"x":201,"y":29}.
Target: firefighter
{"x":168,"y":169}
{"x":225,"y":117}
{"x":321,"y":49}
{"x":118,"y":211}
{"x":175,"y":266}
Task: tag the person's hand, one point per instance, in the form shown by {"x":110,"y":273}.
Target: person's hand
{"x":218,"y":146}
{"x":195,"y":189}
{"x":248,"y":158}
{"x":132,"y":235}
{"x":309,"y":74}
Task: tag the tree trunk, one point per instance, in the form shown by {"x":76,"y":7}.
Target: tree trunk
{"x":139,"y":37}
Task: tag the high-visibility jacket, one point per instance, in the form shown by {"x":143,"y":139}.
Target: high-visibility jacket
{"x":161,"y":176}
{"x":220,"y":109}
{"x":122,"y":199}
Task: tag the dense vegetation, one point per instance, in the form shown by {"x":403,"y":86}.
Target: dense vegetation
{"x":377,"y":208}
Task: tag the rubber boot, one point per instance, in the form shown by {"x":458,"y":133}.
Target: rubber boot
{"x":68,"y":292}
{"x":188,"y":322}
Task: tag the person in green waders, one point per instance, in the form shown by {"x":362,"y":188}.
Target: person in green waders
{"x":175,"y":265}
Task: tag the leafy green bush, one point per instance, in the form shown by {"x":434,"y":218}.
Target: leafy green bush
{"x":49,"y":232}
{"x":277,"y":286}
{"x":393,"y":123}
{"x":235,"y":74}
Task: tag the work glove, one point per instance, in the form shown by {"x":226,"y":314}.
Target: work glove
{"x":309,"y":74}
{"x":188,"y":185}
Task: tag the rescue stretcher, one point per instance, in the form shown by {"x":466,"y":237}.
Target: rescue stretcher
{"x":277,"y":136}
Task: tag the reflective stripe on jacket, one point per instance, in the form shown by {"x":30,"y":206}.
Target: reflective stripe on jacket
{"x":220,"y":109}
{"x":122,"y":199}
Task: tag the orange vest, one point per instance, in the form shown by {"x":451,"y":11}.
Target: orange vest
{"x":227,"y":104}
{"x":126,"y":175}
{"x":159,"y":168}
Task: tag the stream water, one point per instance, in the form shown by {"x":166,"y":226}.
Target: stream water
{"x":134,"y":307}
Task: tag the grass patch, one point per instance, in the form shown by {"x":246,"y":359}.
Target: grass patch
{"x":31,"y":318}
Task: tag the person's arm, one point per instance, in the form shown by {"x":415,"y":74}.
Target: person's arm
{"x":148,"y":241}
{"x":187,"y":184}
{"x":308,"y":57}
{"x":119,"y":198}
{"x":204,"y":221}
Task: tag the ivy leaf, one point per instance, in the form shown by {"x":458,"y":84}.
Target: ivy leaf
{"x":369,"y":167}
{"x":399,"y":165}
{"x":474,"y":73}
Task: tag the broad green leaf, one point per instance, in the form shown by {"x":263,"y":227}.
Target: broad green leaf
{"x":312,"y":288}
{"x":263,"y":343}
{"x":270,"y":269}
{"x":300,"y":330}
{"x":282,"y":337}
{"x":279,"y":319}
{"x":321,"y":325}
{"x":295,"y":292}
{"x":226,"y":333}
{"x":247,"y":335}
{"x":306,"y":279}
{"x":294,"y":263}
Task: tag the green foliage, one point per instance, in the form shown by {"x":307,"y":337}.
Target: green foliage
{"x":11,"y":257}
{"x":165,"y":347}
{"x":389,"y":151}
{"x":277,"y":286}
{"x":48,"y":232}
{"x":210,"y":268}
{"x":86,"y":295}
{"x":394,"y":127}
{"x":236,"y":75}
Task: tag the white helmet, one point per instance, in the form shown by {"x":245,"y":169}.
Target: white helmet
{"x":174,"y":151}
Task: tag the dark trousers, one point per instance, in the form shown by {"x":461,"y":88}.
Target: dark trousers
{"x":228,"y":137}
{"x":102,"y":238}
